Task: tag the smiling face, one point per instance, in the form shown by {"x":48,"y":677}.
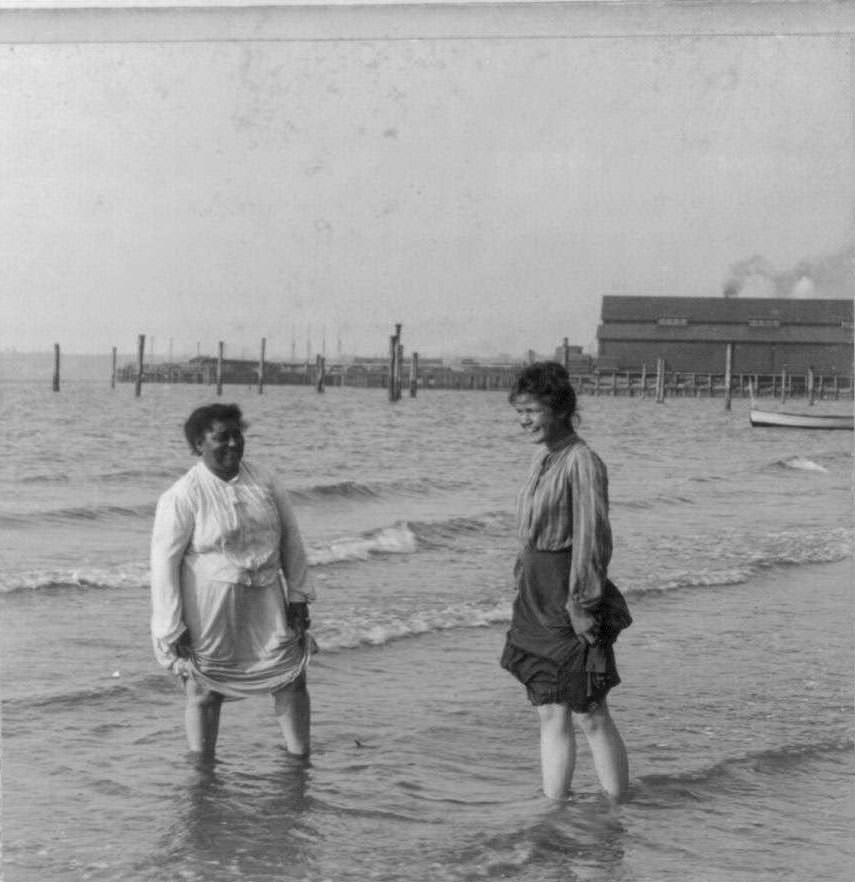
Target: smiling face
{"x":221,"y":448}
{"x":540,"y":422}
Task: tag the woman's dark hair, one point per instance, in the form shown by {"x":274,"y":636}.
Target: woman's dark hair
{"x":549,"y":383}
{"x":204,"y":417}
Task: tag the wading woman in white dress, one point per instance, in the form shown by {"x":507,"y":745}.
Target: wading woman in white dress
{"x":229,"y":585}
{"x":566,"y":614}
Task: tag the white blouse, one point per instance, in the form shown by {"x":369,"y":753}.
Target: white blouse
{"x":241,"y":531}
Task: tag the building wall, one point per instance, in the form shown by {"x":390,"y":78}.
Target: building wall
{"x":749,"y":358}
{"x":691,"y":333}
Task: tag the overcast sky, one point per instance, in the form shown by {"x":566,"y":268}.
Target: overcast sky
{"x":484,"y":192}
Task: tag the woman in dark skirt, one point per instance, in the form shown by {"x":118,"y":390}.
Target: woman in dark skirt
{"x":560,"y":643}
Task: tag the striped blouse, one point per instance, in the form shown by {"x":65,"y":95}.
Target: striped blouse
{"x":564,"y":504}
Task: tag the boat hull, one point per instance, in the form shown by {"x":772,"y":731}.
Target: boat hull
{"x":782,"y":420}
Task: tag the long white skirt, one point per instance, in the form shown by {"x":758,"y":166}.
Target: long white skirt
{"x":239,"y":642}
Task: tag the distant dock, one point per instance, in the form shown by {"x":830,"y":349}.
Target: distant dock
{"x":433,"y":374}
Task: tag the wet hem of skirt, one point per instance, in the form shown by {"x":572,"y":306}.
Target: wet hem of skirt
{"x":230,"y":693}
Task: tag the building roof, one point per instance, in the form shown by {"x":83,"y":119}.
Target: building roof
{"x":724,"y":310}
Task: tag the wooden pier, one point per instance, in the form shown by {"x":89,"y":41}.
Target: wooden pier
{"x":367,"y":373}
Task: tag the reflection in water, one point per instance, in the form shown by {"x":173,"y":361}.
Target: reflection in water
{"x":233,"y":823}
{"x":550,"y":842}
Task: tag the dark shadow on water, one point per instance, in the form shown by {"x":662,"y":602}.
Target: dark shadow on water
{"x":231,"y":821}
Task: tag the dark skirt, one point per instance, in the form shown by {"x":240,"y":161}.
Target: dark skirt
{"x":542,"y":650}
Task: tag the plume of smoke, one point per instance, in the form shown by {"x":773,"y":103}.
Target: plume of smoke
{"x":831,"y":276}
{"x":743,"y":270}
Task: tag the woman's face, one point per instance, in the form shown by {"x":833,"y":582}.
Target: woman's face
{"x":540,"y":422}
{"x":221,"y":448}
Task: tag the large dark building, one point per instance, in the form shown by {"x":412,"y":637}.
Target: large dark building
{"x":690,"y":333}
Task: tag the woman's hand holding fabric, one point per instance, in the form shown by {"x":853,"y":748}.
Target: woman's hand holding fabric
{"x":297,"y":617}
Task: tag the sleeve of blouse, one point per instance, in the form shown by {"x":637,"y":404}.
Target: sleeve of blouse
{"x":171,"y":534}
{"x":592,"y":534}
{"x":291,"y":550}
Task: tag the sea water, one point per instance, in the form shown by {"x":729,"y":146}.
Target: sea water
{"x":732,"y":544}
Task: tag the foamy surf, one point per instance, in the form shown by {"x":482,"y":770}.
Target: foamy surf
{"x":803,"y":464}
{"x":397,"y":539}
{"x":378,"y":632}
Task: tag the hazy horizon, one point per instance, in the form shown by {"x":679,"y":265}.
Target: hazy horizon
{"x":483,"y":176}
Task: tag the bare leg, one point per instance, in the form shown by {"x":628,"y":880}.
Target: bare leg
{"x":292,"y":707}
{"x":557,"y":749}
{"x":608,"y":750}
{"x":202,"y":719}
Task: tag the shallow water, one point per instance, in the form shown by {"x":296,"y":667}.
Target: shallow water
{"x":734,"y":546}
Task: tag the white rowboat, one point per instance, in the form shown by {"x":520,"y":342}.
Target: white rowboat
{"x":782,"y":419}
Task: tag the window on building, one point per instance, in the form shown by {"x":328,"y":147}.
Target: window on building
{"x":764,"y":323}
{"x":671,"y":320}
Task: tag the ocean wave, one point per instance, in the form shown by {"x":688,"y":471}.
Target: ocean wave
{"x":445,"y":533}
{"x":352,"y":634}
{"x":84,"y":513}
{"x":801,"y":463}
{"x":123,"y":576}
{"x":407,"y":537}
{"x":113,"y":689}
{"x":8,"y":521}
{"x":372,"y":489}
{"x":400,"y":538}
{"x":47,"y":478}
{"x":736,"y":559}
{"x":145,"y":475}
{"x":782,"y":759}
{"x":397,"y":539}
{"x":652,"y":501}
{"x":331,"y":638}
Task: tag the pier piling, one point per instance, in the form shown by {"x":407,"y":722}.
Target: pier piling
{"x":414,"y":374}
{"x":728,"y":367}
{"x":261,"y":365}
{"x":321,"y":370}
{"x":140,"y":361}
{"x":56,"y":367}
{"x":113,"y":372}
{"x":660,"y":380}
{"x":220,"y":348}
{"x":393,"y":357}
{"x":396,"y":357}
